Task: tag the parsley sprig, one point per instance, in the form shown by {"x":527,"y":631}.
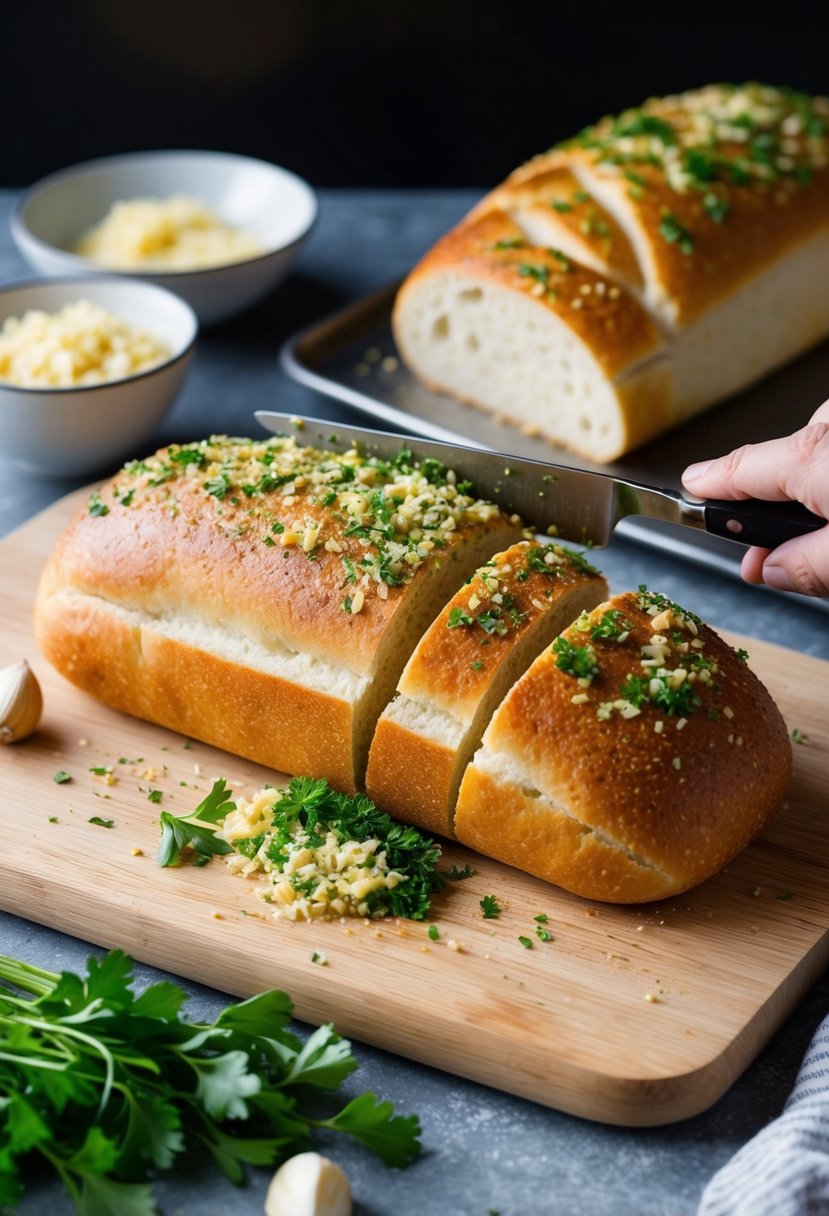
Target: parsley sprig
{"x":104,"y":1087}
{"x":196,"y":831}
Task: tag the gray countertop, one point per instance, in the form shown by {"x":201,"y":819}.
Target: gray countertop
{"x":483,"y":1149}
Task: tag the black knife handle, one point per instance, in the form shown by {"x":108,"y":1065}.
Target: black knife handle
{"x":753,"y":521}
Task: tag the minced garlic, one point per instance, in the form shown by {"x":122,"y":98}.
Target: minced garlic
{"x":81,"y":344}
{"x":308,"y":876}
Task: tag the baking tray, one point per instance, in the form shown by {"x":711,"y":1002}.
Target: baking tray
{"x":351,"y":356}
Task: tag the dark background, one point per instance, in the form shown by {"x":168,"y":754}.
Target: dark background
{"x":444,"y":92}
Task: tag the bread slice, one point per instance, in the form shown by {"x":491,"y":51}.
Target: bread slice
{"x":633,"y":760}
{"x":260,"y":596}
{"x":535,"y":337}
{"x":705,"y":215}
{"x":481,"y":642}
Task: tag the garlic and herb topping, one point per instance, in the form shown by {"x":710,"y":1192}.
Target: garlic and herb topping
{"x":670,"y":675}
{"x":324,"y":854}
{"x":710,"y":141}
{"x":493,"y":600}
{"x":383,"y":518}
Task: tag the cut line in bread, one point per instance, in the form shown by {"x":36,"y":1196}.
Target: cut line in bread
{"x":479,"y":645}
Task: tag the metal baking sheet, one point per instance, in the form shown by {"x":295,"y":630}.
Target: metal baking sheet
{"x":352,"y":357}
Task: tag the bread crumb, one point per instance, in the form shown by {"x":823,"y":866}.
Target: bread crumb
{"x":651,"y":999}
{"x":137,"y":852}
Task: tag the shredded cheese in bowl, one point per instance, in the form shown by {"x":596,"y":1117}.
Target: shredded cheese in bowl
{"x":177,"y":233}
{"x":82,"y":344}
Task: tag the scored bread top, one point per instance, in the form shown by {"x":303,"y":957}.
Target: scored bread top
{"x":491,"y":247}
{"x":454,"y":663}
{"x":287,"y":545}
{"x":645,"y":726}
{"x":552,"y":208}
{"x":709,"y":186}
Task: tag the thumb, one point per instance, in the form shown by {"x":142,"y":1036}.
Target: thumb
{"x":800,"y":565}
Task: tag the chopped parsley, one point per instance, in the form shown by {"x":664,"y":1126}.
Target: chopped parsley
{"x":308,"y":817}
{"x":433,"y":932}
{"x":715,"y":208}
{"x":456,"y":875}
{"x":516,"y":242}
{"x":102,"y":823}
{"x":528,"y":271}
{"x":674,"y":233}
{"x":611,"y":626}
{"x":61,"y":777}
{"x":578,"y":661}
{"x":560,"y":205}
{"x":798,"y":736}
{"x":490,"y":907}
{"x":218,"y":486}
{"x":543,"y":934}
{"x":196,"y":831}
{"x":526,"y":942}
{"x":154,"y":796}
{"x":562,"y":258}
{"x":96,"y":506}
{"x":457,"y":618}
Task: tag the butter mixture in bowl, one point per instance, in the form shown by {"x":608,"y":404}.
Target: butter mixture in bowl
{"x":177,"y":233}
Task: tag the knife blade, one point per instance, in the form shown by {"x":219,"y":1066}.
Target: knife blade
{"x":574,"y":504}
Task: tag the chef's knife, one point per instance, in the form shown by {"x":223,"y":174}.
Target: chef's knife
{"x":571,"y":503}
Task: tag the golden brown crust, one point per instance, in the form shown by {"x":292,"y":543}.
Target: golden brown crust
{"x":241,"y":578}
{"x":613,"y":326}
{"x":762,"y":225}
{"x":681,"y":798}
{"x":458,"y":656}
{"x":557,"y":196}
{"x":408,"y":776}
{"x":486,"y":635}
{"x":246,"y":712}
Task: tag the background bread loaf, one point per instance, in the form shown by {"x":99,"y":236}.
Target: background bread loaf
{"x":633,"y":276}
{"x":477,"y":647}
{"x":637,"y":755}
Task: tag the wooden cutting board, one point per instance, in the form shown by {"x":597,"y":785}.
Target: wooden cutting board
{"x":636,"y":1016}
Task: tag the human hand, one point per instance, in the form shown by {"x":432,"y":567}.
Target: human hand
{"x":795,"y":468}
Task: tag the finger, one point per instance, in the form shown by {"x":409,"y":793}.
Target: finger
{"x":821,"y":414}
{"x":751,"y":567}
{"x":794,"y":468}
{"x":800,"y":565}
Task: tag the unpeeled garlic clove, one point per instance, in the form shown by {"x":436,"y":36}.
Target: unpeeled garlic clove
{"x":308,"y":1185}
{"x":21,"y":702}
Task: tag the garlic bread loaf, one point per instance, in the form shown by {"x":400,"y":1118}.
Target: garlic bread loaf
{"x":635,"y":758}
{"x":261,"y":596}
{"x":477,"y":647}
{"x":635,"y":275}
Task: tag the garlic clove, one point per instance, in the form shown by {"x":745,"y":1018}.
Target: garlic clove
{"x":21,"y":702}
{"x":308,"y":1185}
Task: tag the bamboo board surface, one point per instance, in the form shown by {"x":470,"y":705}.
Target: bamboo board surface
{"x":635,"y":1016}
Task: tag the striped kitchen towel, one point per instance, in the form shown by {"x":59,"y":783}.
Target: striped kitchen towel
{"x":784,"y":1170}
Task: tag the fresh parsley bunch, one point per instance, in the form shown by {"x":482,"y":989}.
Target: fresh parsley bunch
{"x":105,"y":1087}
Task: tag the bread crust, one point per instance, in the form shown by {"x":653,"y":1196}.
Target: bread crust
{"x":279,"y":571}
{"x":247,"y":712}
{"x":612,"y":325}
{"x":672,"y":803}
{"x":479,"y":643}
{"x":688,"y":224}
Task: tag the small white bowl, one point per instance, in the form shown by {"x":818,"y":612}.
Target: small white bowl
{"x":272,"y":204}
{"x":72,"y":432}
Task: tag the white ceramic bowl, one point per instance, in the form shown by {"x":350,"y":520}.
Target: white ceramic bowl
{"x":71,"y":432}
{"x":274,"y":205}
